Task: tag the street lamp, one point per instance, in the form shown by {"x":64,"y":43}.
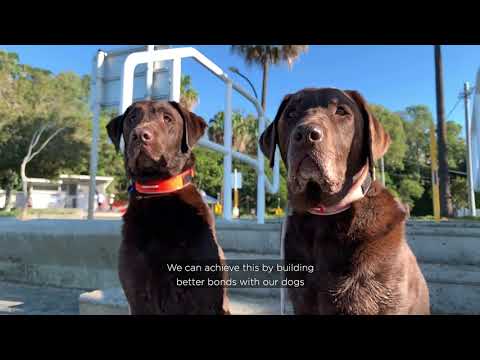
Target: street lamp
{"x":236,"y":71}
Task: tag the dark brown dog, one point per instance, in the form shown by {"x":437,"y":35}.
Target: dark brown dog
{"x":343,"y":224}
{"x":168,"y":226}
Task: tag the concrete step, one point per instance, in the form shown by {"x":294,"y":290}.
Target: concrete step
{"x":249,"y":256}
{"x":113,"y":302}
{"x":454,"y":289}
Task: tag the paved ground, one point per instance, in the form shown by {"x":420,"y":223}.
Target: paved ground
{"x":21,"y":299}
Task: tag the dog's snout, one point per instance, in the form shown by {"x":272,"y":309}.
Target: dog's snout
{"x":143,"y":135}
{"x":309,"y":134}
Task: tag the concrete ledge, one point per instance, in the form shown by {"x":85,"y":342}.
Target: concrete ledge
{"x":83,"y":254}
{"x":458,"y":299}
{"x":104,"y":302}
{"x":113,"y":302}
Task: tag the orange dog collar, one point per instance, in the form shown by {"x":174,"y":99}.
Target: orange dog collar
{"x":167,"y":185}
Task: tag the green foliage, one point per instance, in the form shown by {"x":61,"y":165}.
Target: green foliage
{"x":456,"y":147}
{"x":110,"y":163}
{"x":188,"y":95}
{"x":9,"y":179}
{"x":410,"y":190}
{"x":458,"y":188}
{"x":393,"y":124}
{"x":273,"y":54}
{"x":244,"y":131}
{"x":12,"y":213}
{"x":209,"y":171}
{"x":31,"y":97}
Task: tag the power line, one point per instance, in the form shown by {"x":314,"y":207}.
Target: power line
{"x":458,"y":102}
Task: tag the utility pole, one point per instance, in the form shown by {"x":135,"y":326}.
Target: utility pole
{"x":434,"y":165}
{"x":471,"y":194}
{"x":446,"y":207}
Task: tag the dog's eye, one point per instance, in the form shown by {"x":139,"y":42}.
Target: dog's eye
{"x":131,"y":119}
{"x":291,"y":114}
{"x":167,"y":119}
{"x":341,"y":111}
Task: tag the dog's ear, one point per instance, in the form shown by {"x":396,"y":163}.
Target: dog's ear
{"x":269,"y":138}
{"x":378,"y":139}
{"x":193,"y":126}
{"x":115,"y":130}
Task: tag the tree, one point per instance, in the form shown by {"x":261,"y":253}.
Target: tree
{"x":188,"y":95}
{"x":459,"y":192}
{"x":444,"y":178}
{"x":266,"y":55}
{"x":245,"y":135}
{"x":209,"y":174}
{"x":32,"y":97}
{"x":110,"y":163}
{"x":244,"y":129}
{"x":8,"y":180}
{"x":33,"y":151}
{"x":457,"y":148}
{"x":410,"y":190}
{"x":393,"y":124}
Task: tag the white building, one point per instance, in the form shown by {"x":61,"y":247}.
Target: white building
{"x":69,"y":191}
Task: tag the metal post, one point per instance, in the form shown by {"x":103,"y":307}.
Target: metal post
{"x":149,"y":75}
{"x":471,"y":193}
{"x":227,"y":159}
{"x":382,"y":165}
{"x":434,"y":165}
{"x":176,"y":79}
{"x":261,"y":177}
{"x":97,"y":98}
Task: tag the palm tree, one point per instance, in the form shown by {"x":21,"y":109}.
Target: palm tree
{"x":444,"y":179}
{"x":266,"y":55}
{"x":188,"y":95}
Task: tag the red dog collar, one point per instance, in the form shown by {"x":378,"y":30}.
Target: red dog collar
{"x":165,"y":186}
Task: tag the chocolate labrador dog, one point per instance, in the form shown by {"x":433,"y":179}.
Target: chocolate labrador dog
{"x":167,"y":222}
{"x":343,"y":224}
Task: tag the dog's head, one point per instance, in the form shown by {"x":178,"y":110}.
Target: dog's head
{"x":158,"y":138}
{"x":325,"y":136}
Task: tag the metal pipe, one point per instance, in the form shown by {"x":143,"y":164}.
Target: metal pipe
{"x":227,"y":159}
{"x":471,"y":193}
{"x":97,"y":98}
{"x":475,"y":133}
{"x":176,"y":80}
{"x":260,"y":176}
{"x":176,"y":55}
{"x":149,"y":75}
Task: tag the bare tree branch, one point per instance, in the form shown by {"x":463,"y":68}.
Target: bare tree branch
{"x":46,"y":142}
{"x":35,"y":138}
{"x":39,"y":134}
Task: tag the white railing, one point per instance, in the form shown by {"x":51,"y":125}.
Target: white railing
{"x":176,"y":55}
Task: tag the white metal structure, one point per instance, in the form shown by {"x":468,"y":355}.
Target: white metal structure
{"x":468,"y":128}
{"x":475,"y":135}
{"x":106,"y":92}
{"x":151,"y":58}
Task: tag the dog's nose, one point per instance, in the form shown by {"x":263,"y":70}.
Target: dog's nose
{"x":309,"y":134}
{"x":144,"y":135}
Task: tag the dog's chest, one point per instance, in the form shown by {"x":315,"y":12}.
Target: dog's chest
{"x":158,"y":238}
{"x":339,"y":284}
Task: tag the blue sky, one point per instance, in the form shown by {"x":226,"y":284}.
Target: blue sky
{"x":394,"y":76}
